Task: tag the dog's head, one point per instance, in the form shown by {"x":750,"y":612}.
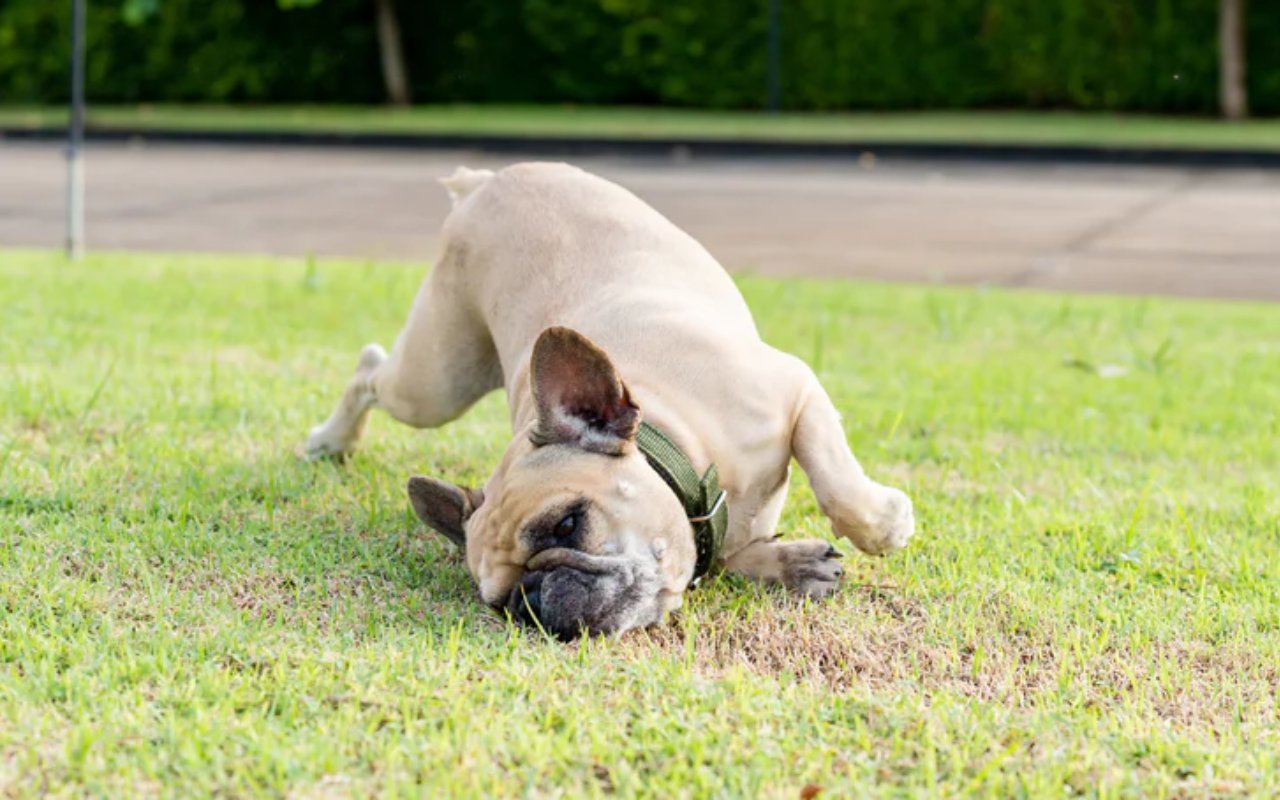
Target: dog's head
{"x":574,"y":530}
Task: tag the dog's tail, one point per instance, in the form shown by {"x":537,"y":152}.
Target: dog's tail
{"x":464,"y":181}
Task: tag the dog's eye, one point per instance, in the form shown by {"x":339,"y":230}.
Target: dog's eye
{"x":568,"y":525}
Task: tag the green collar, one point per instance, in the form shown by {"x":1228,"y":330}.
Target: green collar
{"x":703,"y":499}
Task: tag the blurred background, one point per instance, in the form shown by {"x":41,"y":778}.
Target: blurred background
{"x":1113,"y":55}
{"x":1119,"y":145}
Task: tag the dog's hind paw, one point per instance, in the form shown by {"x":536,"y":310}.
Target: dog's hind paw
{"x":322,"y":445}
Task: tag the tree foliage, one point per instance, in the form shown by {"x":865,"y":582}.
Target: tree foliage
{"x":1135,"y":55}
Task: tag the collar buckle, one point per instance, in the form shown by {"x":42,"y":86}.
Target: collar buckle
{"x":715,"y":507}
{"x":709,"y":518}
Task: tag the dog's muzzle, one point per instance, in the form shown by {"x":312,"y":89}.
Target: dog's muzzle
{"x":568,"y":592}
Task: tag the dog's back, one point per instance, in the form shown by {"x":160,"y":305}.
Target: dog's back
{"x":544,"y":244}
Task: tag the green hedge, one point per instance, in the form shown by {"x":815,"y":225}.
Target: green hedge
{"x":1134,"y":55}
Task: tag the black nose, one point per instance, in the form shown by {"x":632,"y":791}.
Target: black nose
{"x":525,"y":600}
{"x":525,"y":606}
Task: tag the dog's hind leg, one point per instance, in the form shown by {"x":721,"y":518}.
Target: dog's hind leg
{"x":442,"y":362}
{"x":339,"y":434}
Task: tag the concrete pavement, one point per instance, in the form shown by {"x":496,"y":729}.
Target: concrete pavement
{"x":1116,"y":229}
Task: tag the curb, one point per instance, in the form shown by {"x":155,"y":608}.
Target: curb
{"x":686,"y":147}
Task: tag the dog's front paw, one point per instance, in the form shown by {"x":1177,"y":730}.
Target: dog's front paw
{"x":810,"y":568}
{"x":895,"y":521}
{"x":884,"y":521}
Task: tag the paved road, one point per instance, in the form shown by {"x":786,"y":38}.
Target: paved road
{"x":1169,"y":231}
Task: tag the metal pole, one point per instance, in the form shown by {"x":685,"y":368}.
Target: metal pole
{"x":775,"y":56}
{"x":75,"y":137}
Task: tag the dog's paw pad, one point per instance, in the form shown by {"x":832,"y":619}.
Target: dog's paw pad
{"x":811,"y":568}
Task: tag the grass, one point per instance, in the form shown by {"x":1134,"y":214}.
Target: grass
{"x":1092,"y":604}
{"x":980,"y":127}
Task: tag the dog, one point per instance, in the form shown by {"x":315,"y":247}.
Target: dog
{"x":609,"y":327}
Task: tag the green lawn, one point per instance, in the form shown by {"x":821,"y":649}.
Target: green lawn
{"x":1091,"y":605}
{"x":1043,"y":128}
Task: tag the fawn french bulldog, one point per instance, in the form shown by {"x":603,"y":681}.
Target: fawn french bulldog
{"x":653,"y":428}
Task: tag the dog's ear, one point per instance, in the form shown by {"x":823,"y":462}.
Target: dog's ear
{"x":444,"y":507}
{"x":580,"y":398}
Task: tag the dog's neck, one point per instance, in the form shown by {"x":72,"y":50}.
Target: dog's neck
{"x":520,"y":402}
